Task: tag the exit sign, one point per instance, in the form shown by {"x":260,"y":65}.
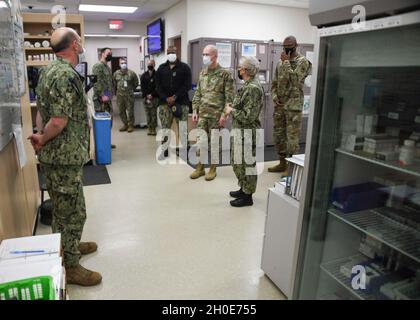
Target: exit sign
{"x":116,"y":24}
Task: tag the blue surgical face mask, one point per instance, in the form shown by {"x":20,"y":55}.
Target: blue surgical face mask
{"x":206,"y":60}
{"x":172,"y":57}
{"x":124,"y":66}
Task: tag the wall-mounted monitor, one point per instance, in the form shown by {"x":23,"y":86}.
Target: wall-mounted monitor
{"x":155,"y":37}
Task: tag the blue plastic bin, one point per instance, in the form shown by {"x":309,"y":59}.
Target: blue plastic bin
{"x":102,"y":128}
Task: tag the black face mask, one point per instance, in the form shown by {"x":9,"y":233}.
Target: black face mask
{"x":239,"y":75}
{"x":289,"y":50}
{"x":150,"y":68}
{"x":108,"y":57}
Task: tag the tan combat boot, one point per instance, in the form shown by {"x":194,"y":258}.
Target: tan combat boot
{"x":82,"y":276}
{"x":124,"y":128}
{"x":130,"y":128}
{"x":154,"y":132}
{"x":212,"y":173}
{"x":87,"y":247}
{"x":149,"y":131}
{"x":199,"y":172}
{"x":281,"y":167}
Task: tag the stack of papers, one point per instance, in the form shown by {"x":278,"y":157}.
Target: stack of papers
{"x":29,"y":257}
{"x":294,"y":182}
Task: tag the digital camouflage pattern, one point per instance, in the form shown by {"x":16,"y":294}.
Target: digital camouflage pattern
{"x":104,"y":86}
{"x":215,"y":89}
{"x":126,"y":82}
{"x":247,"y":107}
{"x":61,"y":93}
{"x":287,"y":126}
{"x":288,"y":97}
{"x":65,"y":187}
{"x":166,"y":116}
{"x":151,"y":112}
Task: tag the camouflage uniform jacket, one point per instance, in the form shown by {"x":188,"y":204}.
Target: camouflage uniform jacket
{"x":288,"y":82}
{"x":214,"y":91}
{"x":247,"y":106}
{"x":105,"y":85}
{"x":126,"y":82}
{"x":61,"y":93}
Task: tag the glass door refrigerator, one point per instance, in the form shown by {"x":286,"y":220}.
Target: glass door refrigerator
{"x":360,"y":234}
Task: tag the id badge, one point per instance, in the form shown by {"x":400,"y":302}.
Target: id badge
{"x":125,"y":84}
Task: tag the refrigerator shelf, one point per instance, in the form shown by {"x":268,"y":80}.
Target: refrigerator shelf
{"x":396,"y":235}
{"x":332,"y":268}
{"x":413,"y":170}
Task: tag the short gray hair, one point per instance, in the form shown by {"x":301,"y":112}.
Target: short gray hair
{"x":213,"y":49}
{"x":250,"y":64}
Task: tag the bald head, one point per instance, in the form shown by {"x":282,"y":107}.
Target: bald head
{"x":63,"y":38}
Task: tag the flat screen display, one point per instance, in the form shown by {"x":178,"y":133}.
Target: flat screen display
{"x":155,"y":37}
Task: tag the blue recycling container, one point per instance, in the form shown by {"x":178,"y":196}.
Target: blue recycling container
{"x":102,"y":129}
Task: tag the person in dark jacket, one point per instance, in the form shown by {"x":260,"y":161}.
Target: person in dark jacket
{"x":173,"y":82}
{"x":151,"y":97}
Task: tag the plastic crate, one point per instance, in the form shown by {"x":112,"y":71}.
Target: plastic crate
{"x":39,"y":288}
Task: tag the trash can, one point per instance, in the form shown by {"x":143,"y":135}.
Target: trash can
{"x":102,"y":129}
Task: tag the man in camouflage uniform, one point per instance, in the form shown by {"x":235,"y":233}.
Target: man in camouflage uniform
{"x":62,"y":146}
{"x":151,"y":97}
{"x":287,"y":94}
{"x":214,"y":91}
{"x":103,"y":90}
{"x":173,"y":82}
{"x":245,"y":111}
{"x":126,"y":82}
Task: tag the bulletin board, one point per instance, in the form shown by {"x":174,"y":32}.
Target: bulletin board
{"x":12,"y":72}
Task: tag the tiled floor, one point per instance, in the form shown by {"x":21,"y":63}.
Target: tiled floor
{"x":164,"y":236}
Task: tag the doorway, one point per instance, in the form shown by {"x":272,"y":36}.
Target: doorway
{"x":117,"y":54}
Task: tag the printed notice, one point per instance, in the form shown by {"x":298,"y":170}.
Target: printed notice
{"x":249,"y":49}
{"x":225,"y":54}
{"x":17,"y":131}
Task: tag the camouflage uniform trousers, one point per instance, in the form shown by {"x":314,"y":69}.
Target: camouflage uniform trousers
{"x":65,"y":187}
{"x":287,"y":126}
{"x":243,"y":171}
{"x":208,"y":124}
{"x":151,"y":113}
{"x":166,"y":118}
{"x":126,"y":106}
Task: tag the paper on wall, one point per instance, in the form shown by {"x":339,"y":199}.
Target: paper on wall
{"x":310,"y":56}
{"x":225,"y":54}
{"x":17,"y":131}
{"x":249,"y":49}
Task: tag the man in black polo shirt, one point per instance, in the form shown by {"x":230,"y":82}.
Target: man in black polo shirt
{"x":173,"y":81}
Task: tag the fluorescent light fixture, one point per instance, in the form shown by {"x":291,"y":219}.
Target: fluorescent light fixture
{"x":112,"y":36}
{"x":3,"y":4}
{"x":113,"y":9}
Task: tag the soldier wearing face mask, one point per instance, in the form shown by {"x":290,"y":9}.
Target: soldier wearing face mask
{"x":287,"y":94}
{"x":173,"y":82}
{"x":214,"y":91}
{"x":62,"y":146}
{"x":126,"y":82}
{"x":151,"y":97}
{"x":103,"y":90}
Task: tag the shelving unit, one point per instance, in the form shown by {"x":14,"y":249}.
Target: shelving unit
{"x":413,"y":170}
{"x":36,"y":25}
{"x":37,"y":63}
{"x":332,"y":269}
{"x":398,"y":236}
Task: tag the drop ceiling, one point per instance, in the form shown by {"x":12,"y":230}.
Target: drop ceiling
{"x":148,"y":8}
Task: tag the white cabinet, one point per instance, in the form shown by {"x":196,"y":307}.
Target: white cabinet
{"x":281,"y":240}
